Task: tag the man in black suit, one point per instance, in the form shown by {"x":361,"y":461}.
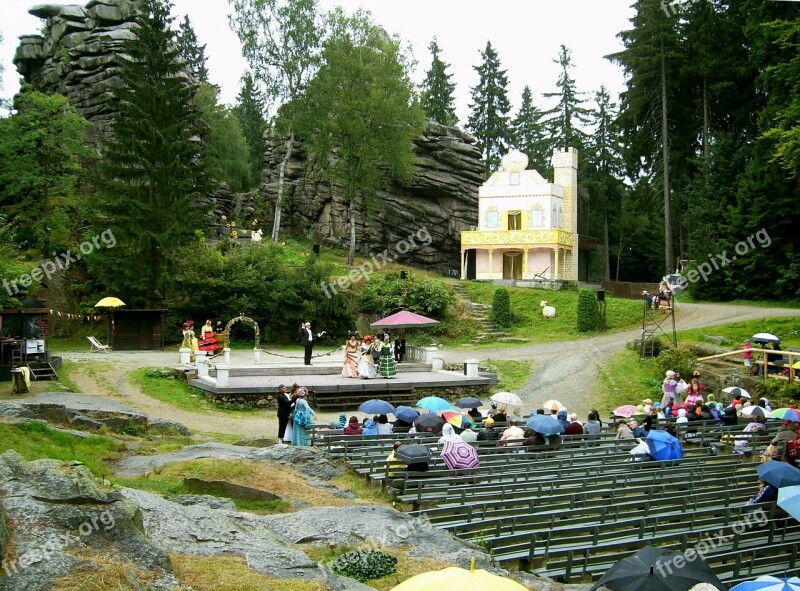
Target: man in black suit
{"x":399,"y":348}
{"x":284,"y":410}
{"x":307,"y":340}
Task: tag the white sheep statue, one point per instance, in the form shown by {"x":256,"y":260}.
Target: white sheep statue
{"x":547,"y":311}
{"x":256,"y":236}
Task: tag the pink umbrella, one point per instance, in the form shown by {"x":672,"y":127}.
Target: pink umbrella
{"x":404,"y":319}
{"x":627,"y":410}
{"x":459,"y":455}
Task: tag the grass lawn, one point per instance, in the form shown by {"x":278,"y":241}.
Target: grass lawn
{"x":511,"y":373}
{"x":530,"y":323}
{"x":626,"y":379}
{"x":787,"y":328}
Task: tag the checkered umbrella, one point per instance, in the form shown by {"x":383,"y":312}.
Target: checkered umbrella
{"x":459,"y":455}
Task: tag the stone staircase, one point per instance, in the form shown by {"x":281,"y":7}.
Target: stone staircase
{"x":479,"y":312}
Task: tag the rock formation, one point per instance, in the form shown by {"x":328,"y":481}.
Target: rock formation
{"x":442,"y":197}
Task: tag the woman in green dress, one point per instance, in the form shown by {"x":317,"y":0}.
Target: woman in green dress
{"x":387,"y":367}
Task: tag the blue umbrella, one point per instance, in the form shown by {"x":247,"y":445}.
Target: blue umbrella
{"x":789,"y":500}
{"x":663,"y":446}
{"x":376,"y":407}
{"x":545,"y":424}
{"x":769,"y":583}
{"x":469,"y":402}
{"x":406,"y":413}
{"x":778,"y":474}
{"x":433,"y":403}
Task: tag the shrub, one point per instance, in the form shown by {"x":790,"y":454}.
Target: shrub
{"x":364,"y":565}
{"x":680,"y":359}
{"x":383,"y":293}
{"x":587,"y":310}
{"x":501,"y":308}
{"x":778,"y":392}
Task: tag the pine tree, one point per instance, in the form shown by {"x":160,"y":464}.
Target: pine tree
{"x":194,"y":54}
{"x":249,"y":110}
{"x":153,"y":171}
{"x":530,"y":135}
{"x":565,"y":120}
{"x":490,"y":106}
{"x":437,"y":90}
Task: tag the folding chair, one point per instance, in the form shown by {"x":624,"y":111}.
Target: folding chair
{"x":98,"y":346}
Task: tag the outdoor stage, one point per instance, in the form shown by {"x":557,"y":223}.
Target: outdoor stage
{"x":256,"y":384}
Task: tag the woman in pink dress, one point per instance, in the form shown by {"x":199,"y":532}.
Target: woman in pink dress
{"x":350,"y":367}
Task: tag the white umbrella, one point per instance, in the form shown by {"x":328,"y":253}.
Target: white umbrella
{"x":734,"y":390}
{"x":765,"y":337}
{"x":508,"y":398}
{"x":756,"y":411}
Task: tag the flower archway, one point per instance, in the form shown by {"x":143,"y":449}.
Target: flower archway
{"x":246,"y":320}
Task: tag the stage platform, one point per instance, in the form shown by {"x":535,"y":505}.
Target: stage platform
{"x":257,"y":385}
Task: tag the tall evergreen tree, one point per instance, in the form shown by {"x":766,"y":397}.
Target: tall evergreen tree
{"x":153,"y":172}
{"x":530,"y":135}
{"x":489,"y":120}
{"x":437,"y":90}
{"x":194,"y":54}
{"x":249,"y":110}
{"x":565,"y":121}
{"x":281,"y":41}
{"x":648,"y":60}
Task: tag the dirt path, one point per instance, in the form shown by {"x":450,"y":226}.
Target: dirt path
{"x":564,"y":370}
{"x":567,"y":370}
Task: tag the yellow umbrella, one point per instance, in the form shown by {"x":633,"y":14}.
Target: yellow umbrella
{"x":796,"y":365}
{"x":109,"y":303}
{"x":459,"y":578}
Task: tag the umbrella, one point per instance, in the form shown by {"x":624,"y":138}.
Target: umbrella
{"x":468,"y":403}
{"x":769,"y":583}
{"x":459,"y":454}
{"x":376,"y":407}
{"x":756,"y":411}
{"x":109,"y":302}
{"x":627,"y":410}
{"x":433,"y":403}
{"x":549,"y":404}
{"x":404,"y":319}
{"x":651,"y":569}
{"x":507,"y":398}
{"x":453,"y":577}
{"x":789,"y":500}
{"x":406,"y":413}
{"x":413,"y":453}
{"x":736,"y":390}
{"x":458,"y":419}
{"x":765,"y":337}
{"x":429,"y":423}
{"x":778,"y":474}
{"x":546,"y":425}
{"x":663,"y":446}
{"x":787,"y":414}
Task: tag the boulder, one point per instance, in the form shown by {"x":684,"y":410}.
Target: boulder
{"x":45,"y":10}
{"x":205,"y":500}
{"x":256,"y":442}
{"x":223,"y":488}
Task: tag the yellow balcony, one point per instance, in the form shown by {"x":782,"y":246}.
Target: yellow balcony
{"x":516,"y":238}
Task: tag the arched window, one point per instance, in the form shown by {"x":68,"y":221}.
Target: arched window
{"x":492,"y":217}
{"x":514,"y":177}
{"x":560,"y":217}
{"x":554,"y":219}
{"x":515,"y":220}
{"x":536,"y":219}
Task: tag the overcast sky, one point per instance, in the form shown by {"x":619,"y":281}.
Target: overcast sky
{"x":525,"y":33}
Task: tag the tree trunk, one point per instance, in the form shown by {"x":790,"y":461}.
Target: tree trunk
{"x":706,"y":116}
{"x":351,"y":253}
{"x":619,"y":256}
{"x":607,"y":246}
{"x":668,"y":249}
{"x":276,"y":225}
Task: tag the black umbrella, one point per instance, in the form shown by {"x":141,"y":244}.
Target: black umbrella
{"x":429,"y":423}
{"x":413,"y":453}
{"x":468,"y":403}
{"x":657,"y":569}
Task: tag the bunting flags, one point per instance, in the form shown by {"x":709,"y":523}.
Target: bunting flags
{"x":81,"y":317}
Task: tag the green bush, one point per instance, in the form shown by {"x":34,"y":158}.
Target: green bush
{"x":383,"y":293}
{"x":680,"y":359}
{"x":587,"y":310}
{"x":778,"y":392}
{"x":501,"y":308}
{"x":364,"y":565}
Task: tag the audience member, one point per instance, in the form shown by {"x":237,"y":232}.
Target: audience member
{"x":352,"y":428}
{"x":766,"y":494}
{"x":391,"y":459}
{"x":574,"y":427}
{"x":592,"y":426}
{"x":533,"y":438}
{"x":562,"y":418}
{"x":624,"y":431}
{"x":500,"y":415}
{"x":383,"y":425}
{"x":488,"y":433}
{"x":511,"y":433}
{"x":369,"y":428}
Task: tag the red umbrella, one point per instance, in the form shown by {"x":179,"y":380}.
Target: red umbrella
{"x":459,"y":455}
{"x":627,"y":410}
{"x":404,"y":319}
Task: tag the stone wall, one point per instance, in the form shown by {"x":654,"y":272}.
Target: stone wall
{"x":441,"y":196}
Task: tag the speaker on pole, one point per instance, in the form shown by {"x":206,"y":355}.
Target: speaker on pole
{"x":601,"y":295}
{"x":315,"y":249}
